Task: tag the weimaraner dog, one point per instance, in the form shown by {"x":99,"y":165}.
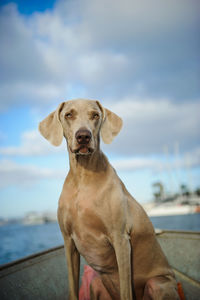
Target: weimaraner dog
{"x":98,"y":217}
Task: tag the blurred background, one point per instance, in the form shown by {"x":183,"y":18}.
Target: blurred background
{"x":141,"y":60}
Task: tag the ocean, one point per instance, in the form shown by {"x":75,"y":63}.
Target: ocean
{"x":17,"y":240}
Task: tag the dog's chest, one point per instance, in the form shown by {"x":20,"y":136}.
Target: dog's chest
{"x":88,"y":228}
{"x":89,"y":232}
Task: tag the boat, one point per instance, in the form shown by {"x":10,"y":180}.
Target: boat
{"x":44,"y":275}
{"x":179,"y":206}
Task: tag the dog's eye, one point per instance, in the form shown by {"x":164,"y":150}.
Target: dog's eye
{"x":68,"y":115}
{"x":95,"y":116}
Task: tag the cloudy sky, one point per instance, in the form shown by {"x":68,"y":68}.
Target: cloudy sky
{"x":139,"y":58}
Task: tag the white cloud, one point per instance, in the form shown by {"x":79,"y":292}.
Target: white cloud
{"x":32,"y":144}
{"x":162,"y":163}
{"x":136,"y":163}
{"x":12,"y":173}
{"x":150,"y":125}
{"x":120,"y":49}
{"x":139,"y":60}
{"x":102,"y":67}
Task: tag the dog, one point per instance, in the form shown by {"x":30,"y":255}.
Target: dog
{"x":98,"y":217}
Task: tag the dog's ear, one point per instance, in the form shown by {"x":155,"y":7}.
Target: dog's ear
{"x":51,"y":127}
{"x":111,"y":125}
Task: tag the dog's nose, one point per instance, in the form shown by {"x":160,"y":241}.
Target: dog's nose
{"x":83,"y":136}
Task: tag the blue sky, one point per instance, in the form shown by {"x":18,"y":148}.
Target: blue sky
{"x":139,"y":58}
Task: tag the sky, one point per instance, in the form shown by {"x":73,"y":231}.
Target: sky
{"x":140,"y":59}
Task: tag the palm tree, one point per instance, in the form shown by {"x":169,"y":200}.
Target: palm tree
{"x":158,"y":191}
{"x":184,"y":190}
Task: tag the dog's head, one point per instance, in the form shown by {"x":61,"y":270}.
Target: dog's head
{"x":80,"y":122}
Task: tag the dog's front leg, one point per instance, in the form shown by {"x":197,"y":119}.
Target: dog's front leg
{"x":123,"y":254}
{"x":73,"y":264}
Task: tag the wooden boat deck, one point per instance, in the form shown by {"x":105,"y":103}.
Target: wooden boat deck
{"x":43,"y":276}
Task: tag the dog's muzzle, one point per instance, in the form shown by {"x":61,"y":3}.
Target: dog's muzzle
{"x":83,"y":137}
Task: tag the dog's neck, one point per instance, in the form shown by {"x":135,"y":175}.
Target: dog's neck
{"x":87,"y":165}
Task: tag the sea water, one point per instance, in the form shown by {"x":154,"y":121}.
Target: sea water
{"x":18,"y":240}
